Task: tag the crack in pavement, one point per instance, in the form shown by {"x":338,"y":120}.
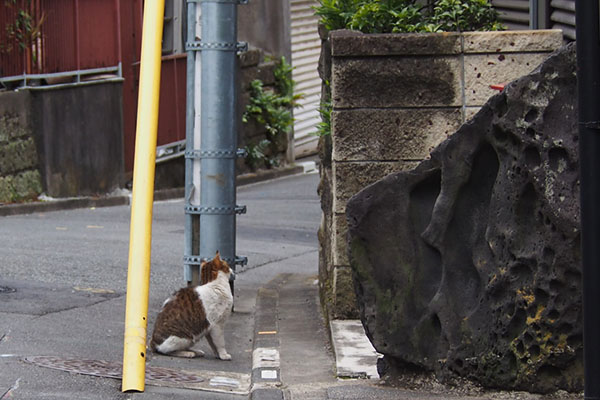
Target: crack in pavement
{"x":10,"y":390}
{"x":249,"y":268}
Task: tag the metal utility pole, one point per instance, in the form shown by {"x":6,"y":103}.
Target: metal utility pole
{"x":588,"y":85}
{"x":210,"y":225}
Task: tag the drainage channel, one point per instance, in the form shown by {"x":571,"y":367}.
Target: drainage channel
{"x":214,"y":381}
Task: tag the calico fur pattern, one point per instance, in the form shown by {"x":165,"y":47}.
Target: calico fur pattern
{"x":196,"y":312}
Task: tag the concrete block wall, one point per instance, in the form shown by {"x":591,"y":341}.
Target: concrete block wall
{"x":394,"y":98}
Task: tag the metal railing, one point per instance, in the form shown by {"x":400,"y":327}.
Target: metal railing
{"x":62,"y":78}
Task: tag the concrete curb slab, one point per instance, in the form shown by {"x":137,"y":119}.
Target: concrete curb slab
{"x":266,"y":368}
{"x":355,"y":357}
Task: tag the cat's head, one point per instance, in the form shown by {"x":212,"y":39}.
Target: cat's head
{"x":210,"y":269}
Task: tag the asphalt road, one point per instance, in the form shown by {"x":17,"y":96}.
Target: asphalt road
{"x":64,"y":276}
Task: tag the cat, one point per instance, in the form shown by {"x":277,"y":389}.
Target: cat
{"x":195,"y":312}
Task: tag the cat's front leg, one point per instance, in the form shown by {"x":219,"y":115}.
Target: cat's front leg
{"x":216,"y":340}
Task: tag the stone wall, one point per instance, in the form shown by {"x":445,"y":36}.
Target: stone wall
{"x":20,"y":177}
{"x":395,"y":97}
{"x":65,"y":141}
{"x":469,"y":265}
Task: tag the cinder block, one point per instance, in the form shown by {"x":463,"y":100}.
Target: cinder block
{"x":352,"y":43}
{"x":391,"y":135}
{"x":481,"y":71}
{"x":351,"y":177}
{"x":389,"y":82}
{"x":344,"y":306}
{"x":339,"y":234}
{"x":545,"y":40}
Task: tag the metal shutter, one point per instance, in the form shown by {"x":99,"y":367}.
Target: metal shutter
{"x":306,"y":48}
{"x":513,"y":13}
{"x":563,"y":17}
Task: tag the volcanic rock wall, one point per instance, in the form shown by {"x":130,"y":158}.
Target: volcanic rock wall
{"x":470,"y":263}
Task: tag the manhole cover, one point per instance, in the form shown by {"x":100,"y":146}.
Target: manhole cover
{"x":6,"y":289}
{"x":108,"y":369}
{"x":157,"y":376}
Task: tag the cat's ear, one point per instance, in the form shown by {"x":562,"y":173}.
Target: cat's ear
{"x":217,"y":256}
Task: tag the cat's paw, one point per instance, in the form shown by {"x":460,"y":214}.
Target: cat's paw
{"x":225,"y":356}
{"x":184,"y":354}
{"x":198,"y":352}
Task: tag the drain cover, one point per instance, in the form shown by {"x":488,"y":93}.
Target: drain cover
{"x":109,"y":369}
{"x":157,"y":376}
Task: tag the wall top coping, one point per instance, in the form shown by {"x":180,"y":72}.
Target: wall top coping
{"x":347,"y":43}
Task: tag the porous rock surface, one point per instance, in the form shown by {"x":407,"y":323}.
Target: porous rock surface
{"x":469,"y":265}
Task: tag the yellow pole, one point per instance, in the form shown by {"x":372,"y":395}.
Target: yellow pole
{"x":140,"y":235}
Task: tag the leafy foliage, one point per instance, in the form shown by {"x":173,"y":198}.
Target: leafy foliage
{"x":457,"y":15}
{"x":272,"y":108}
{"x":385,"y":16}
{"x":256,"y":154}
{"x":324,"y":127}
{"x":24,"y":29}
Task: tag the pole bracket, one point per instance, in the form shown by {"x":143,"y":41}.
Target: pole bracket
{"x":197,"y":260}
{"x":241,"y":260}
{"x":238,"y":47}
{"x":211,"y":154}
{"x":215,"y":210}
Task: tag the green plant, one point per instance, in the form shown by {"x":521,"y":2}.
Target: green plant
{"x":384,"y":16}
{"x":336,"y":14}
{"x":255,"y":154}
{"x":466,"y":15}
{"x":324,"y":127}
{"x":24,"y":30}
{"x":271,"y":108}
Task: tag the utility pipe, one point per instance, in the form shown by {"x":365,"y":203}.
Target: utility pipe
{"x":588,"y":85}
{"x":219,"y":129}
{"x":191,"y":273}
{"x":211,"y":136}
{"x":140,"y":236}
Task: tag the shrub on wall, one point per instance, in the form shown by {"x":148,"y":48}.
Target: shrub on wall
{"x":388,"y":16}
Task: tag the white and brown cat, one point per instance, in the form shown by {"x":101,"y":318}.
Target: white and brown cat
{"x":195,"y":312}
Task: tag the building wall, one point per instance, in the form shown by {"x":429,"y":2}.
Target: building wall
{"x":265,"y":24}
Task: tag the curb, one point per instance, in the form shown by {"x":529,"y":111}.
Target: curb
{"x":68,"y":204}
{"x":266,"y":371}
{"x":121,"y":200}
{"x":355,"y":356}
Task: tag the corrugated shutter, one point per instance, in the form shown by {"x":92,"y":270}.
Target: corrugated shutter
{"x":306,"y":47}
{"x":513,"y":13}
{"x":563,"y":17}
